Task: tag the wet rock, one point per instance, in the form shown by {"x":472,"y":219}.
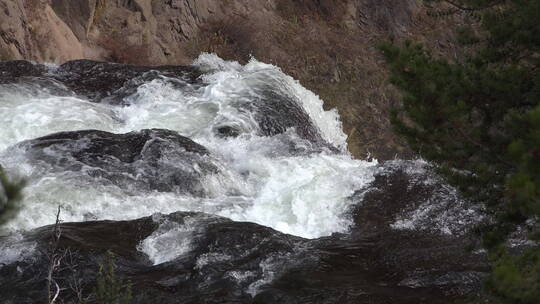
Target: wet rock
{"x":378,"y":263}
{"x":33,"y":78}
{"x":216,"y":260}
{"x":224,"y":259}
{"x":10,"y":71}
{"x":98,"y":81}
{"x":110,"y":82}
{"x":227,"y":131}
{"x":416,"y":199}
{"x":153,"y":159}
{"x":276,"y":112}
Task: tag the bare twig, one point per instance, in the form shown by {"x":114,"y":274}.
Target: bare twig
{"x":55,"y":260}
{"x":74,"y":282}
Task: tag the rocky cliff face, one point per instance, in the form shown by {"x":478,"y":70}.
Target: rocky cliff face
{"x":329,"y":45}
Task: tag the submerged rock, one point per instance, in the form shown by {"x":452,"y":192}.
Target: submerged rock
{"x":227,"y":131}
{"x":199,"y":258}
{"x":153,"y":159}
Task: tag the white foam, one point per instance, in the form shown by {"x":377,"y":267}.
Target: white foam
{"x":271,"y":267}
{"x":236,"y":78}
{"x":14,"y":248}
{"x":305,"y":196}
{"x":169,"y":241}
{"x":261,"y":182}
{"x":24,"y":117}
{"x":210,"y":258}
{"x":443,"y":212}
{"x":240,"y":276}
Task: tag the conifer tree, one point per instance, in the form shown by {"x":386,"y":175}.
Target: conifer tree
{"x":478,"y":119}
{"x":10,"y":193}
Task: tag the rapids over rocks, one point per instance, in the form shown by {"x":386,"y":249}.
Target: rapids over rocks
{"x":216,"y":183}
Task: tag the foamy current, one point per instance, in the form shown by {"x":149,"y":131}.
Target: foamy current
{"x":304,"y":195}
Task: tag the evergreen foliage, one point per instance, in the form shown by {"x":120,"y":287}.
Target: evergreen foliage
{"x":478,"y":119}
{"x":10,"y":193}
{"x":516,"y":278}
{"x":110,"y":289}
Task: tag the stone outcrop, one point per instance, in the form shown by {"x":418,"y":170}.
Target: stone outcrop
{"x":32,"y":30}
{"x":329,"y":45}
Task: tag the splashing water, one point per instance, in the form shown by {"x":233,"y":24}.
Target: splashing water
{"x":260,"y":180}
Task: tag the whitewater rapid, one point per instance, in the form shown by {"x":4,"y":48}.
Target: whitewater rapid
{"x":224,"y":182}
{"x":304,"y":194}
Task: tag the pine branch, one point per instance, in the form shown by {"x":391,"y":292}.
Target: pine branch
{"x":466,"y":8}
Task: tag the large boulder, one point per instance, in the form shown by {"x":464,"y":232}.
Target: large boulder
{"x":153,"y":159}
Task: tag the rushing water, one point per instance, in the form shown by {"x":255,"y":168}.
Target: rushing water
{"x":197,"y":166}
{"x":260,"y":180}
